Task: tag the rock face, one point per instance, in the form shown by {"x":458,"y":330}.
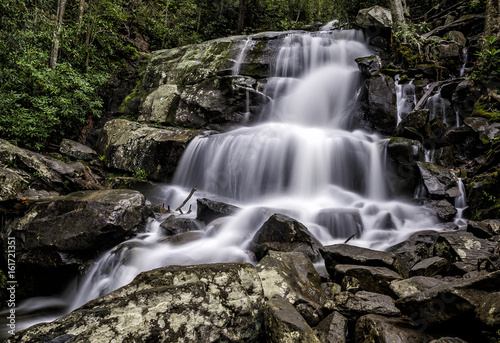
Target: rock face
{"x":210,"y":85}
{"x":375,"y":16}
{"x":439,"y":181}
{"x":282,"y":233}
{"x":206,"y":303}
{"x":76,"y":150}
{"x":56,"y":236}
{"x":135,"y":147}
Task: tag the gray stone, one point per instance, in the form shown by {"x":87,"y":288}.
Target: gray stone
{"x":413,"y":125}
{"x":372,"y":279}
{"x":375,"y":16}
{"x":487,"y":131}
{"x":416,"y":284}
{"x":291,"y":275}
{"x":285,"y":325}
{"x":135,"y":147}
{"x":175,"y":225}
{"x":457,"y":37}
{"x":369,"y":65}
{"x":488,"y":310}
{"x":356,"y":305}
{"x":77,"y":150}
{"x":430,"y":267}
{"x":209,"y":210}
{"x":332,"y":329}
{"x":11,"y":183}
{"x":205,"y":303}
{"x":439,"y":181}
{"x":282,"y":233}
{"x":376,"y":328}
{"x":349,"y":254}
{"x":442,"y":209}
{"x":402,"y":172}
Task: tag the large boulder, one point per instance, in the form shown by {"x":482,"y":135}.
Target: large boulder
{"x":282,"y":233}
{"x":209,"y":210}
{"x":375,"y":16}
{"x":376,"y":328}
{"x":377,"y":104}
{"x":142,"y":148}
{"x":211,"y":85}
{"x":356,"y":305}
{"x":402,"y":171}
{"x":439,"y":181}
{"x":371,"y":279}
{"x":57,"y":236}
{"x":332,"y":329}
{"x":205,"y":303}
{"x":77,"y":150}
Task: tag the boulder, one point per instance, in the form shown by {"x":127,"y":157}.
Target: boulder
{"x":488,"y":310}
{"x":332,"y":329}
{"x":439,"y":181}
{"x":175,"y":225}
{"x":457,"y":37}
{"x":413,"y":125}
{"x":205,"y":303}
{"x":12,"y":183}
{"x":282,"y":233}
{"x":371,"y":279}
{"x":463,"y":249}
{"x":380,"y":329}
{"x":135,"y":147}
{"x":487,"y":131}
{"x":340,"y":223}
{"x":415,"y":284}
{"x":356,"y":305}
{"x":56,"y":236}
{"x":430,"y":267}
{"x":442,"y":209}
{"x":284,"y":324}
{"x":375,"y":16}
{"x":208,"y":210}
{"x":291,"y":275}
{"x":443,"y":303}
{"x":349,"y":254}
{"x":402,"y":171}
{"x":482,"y":195}
{"x":377,"y":104}
{"x":484,"y":229}
{"x":77,"y":150}
{"x":369,"y":65}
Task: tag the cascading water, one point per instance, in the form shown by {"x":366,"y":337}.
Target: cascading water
{"x":460,"y":204}
{"x":301,"y":159}
{"x":406,"y":98}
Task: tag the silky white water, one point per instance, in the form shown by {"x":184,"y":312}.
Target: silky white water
{"x":302,"y":159}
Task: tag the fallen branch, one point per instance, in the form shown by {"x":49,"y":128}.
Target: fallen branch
{"x":350,"y":237}
{"x":186,"y":200}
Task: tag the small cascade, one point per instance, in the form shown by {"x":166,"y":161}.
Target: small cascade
{"x":406,"y":98}
{"x":465,"y":59}
{"x":440,"y":107}
{"x":460,"y":205}
{"x":331,"y":25}
{"x":249,"y":43}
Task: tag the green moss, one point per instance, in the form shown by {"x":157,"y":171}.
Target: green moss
{"x":482,"y":110}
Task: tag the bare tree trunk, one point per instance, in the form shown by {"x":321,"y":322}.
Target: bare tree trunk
{"x":61,"y":6}
{"x":241,"y":16}
{"x":165,"y":23}
{"x":81,"y":8}
{"x":398,"y":12}
{"x":492,"y":21}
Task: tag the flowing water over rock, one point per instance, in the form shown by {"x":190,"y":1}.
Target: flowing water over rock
{"x":302,"y":159}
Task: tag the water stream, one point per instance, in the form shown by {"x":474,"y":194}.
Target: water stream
{"x":303,"y":158}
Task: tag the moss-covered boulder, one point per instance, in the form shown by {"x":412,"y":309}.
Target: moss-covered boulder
{"x":483,"y":196}
{"x":142,"y":148}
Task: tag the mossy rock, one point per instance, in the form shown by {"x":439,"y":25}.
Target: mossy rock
{"x":484,"y":196}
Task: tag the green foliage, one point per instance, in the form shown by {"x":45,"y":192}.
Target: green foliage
{"x":141,"y":174}
{"x":489,"y":197}
{"x":485,"y":110}
{"x":489,"y":60}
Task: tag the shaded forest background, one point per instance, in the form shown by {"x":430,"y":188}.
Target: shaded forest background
{"x":59,"y":57}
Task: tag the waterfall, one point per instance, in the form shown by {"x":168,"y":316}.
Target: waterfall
{"x":406,"y":98}
{"x":465,"y":59}
{"x":460,"y":204}
{"x":302,"y":159}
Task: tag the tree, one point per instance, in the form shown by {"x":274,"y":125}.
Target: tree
{"x":241,"y":16}
{"x":61,"y":7}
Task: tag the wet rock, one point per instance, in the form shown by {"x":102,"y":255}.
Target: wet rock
{"x":445,"y":302}
{"x":349,"y":254}
{"x":484,"y":229}
{"x":369,"y":65}
{"x":282,"y":233}
{"x":284,"y":324}
{"x":457,"y":37}
{"x":375,"y":16}
{"x":356,"y":305}
{"x":430,"y":267}
{"x":208,"y":210}
{"x":291,"y":275}
{"x":205,"y":303}
{"x":415,"y":249}
{"x":443,"y":49}
{"x":439,"y":181}
{"x":77,"y":151}
{"x":377,"y":103}
{"x":371,"y":279}
{"x":332,"y":329}
{"x":175,"y":225}
{"x":413,"y":125}
{"x":402,"y":172}
{"x":442,"y":209}
{"x":413,"y":285}
{"x":11,"y":184}
{"x":183,"y":238}
{"x":487,"y":131}
{"x":135,"y":147}
{"x":340,"y":223}
{"x":488,"y":310}
{"x":376,"y":328}
{"x":464,"y":248}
